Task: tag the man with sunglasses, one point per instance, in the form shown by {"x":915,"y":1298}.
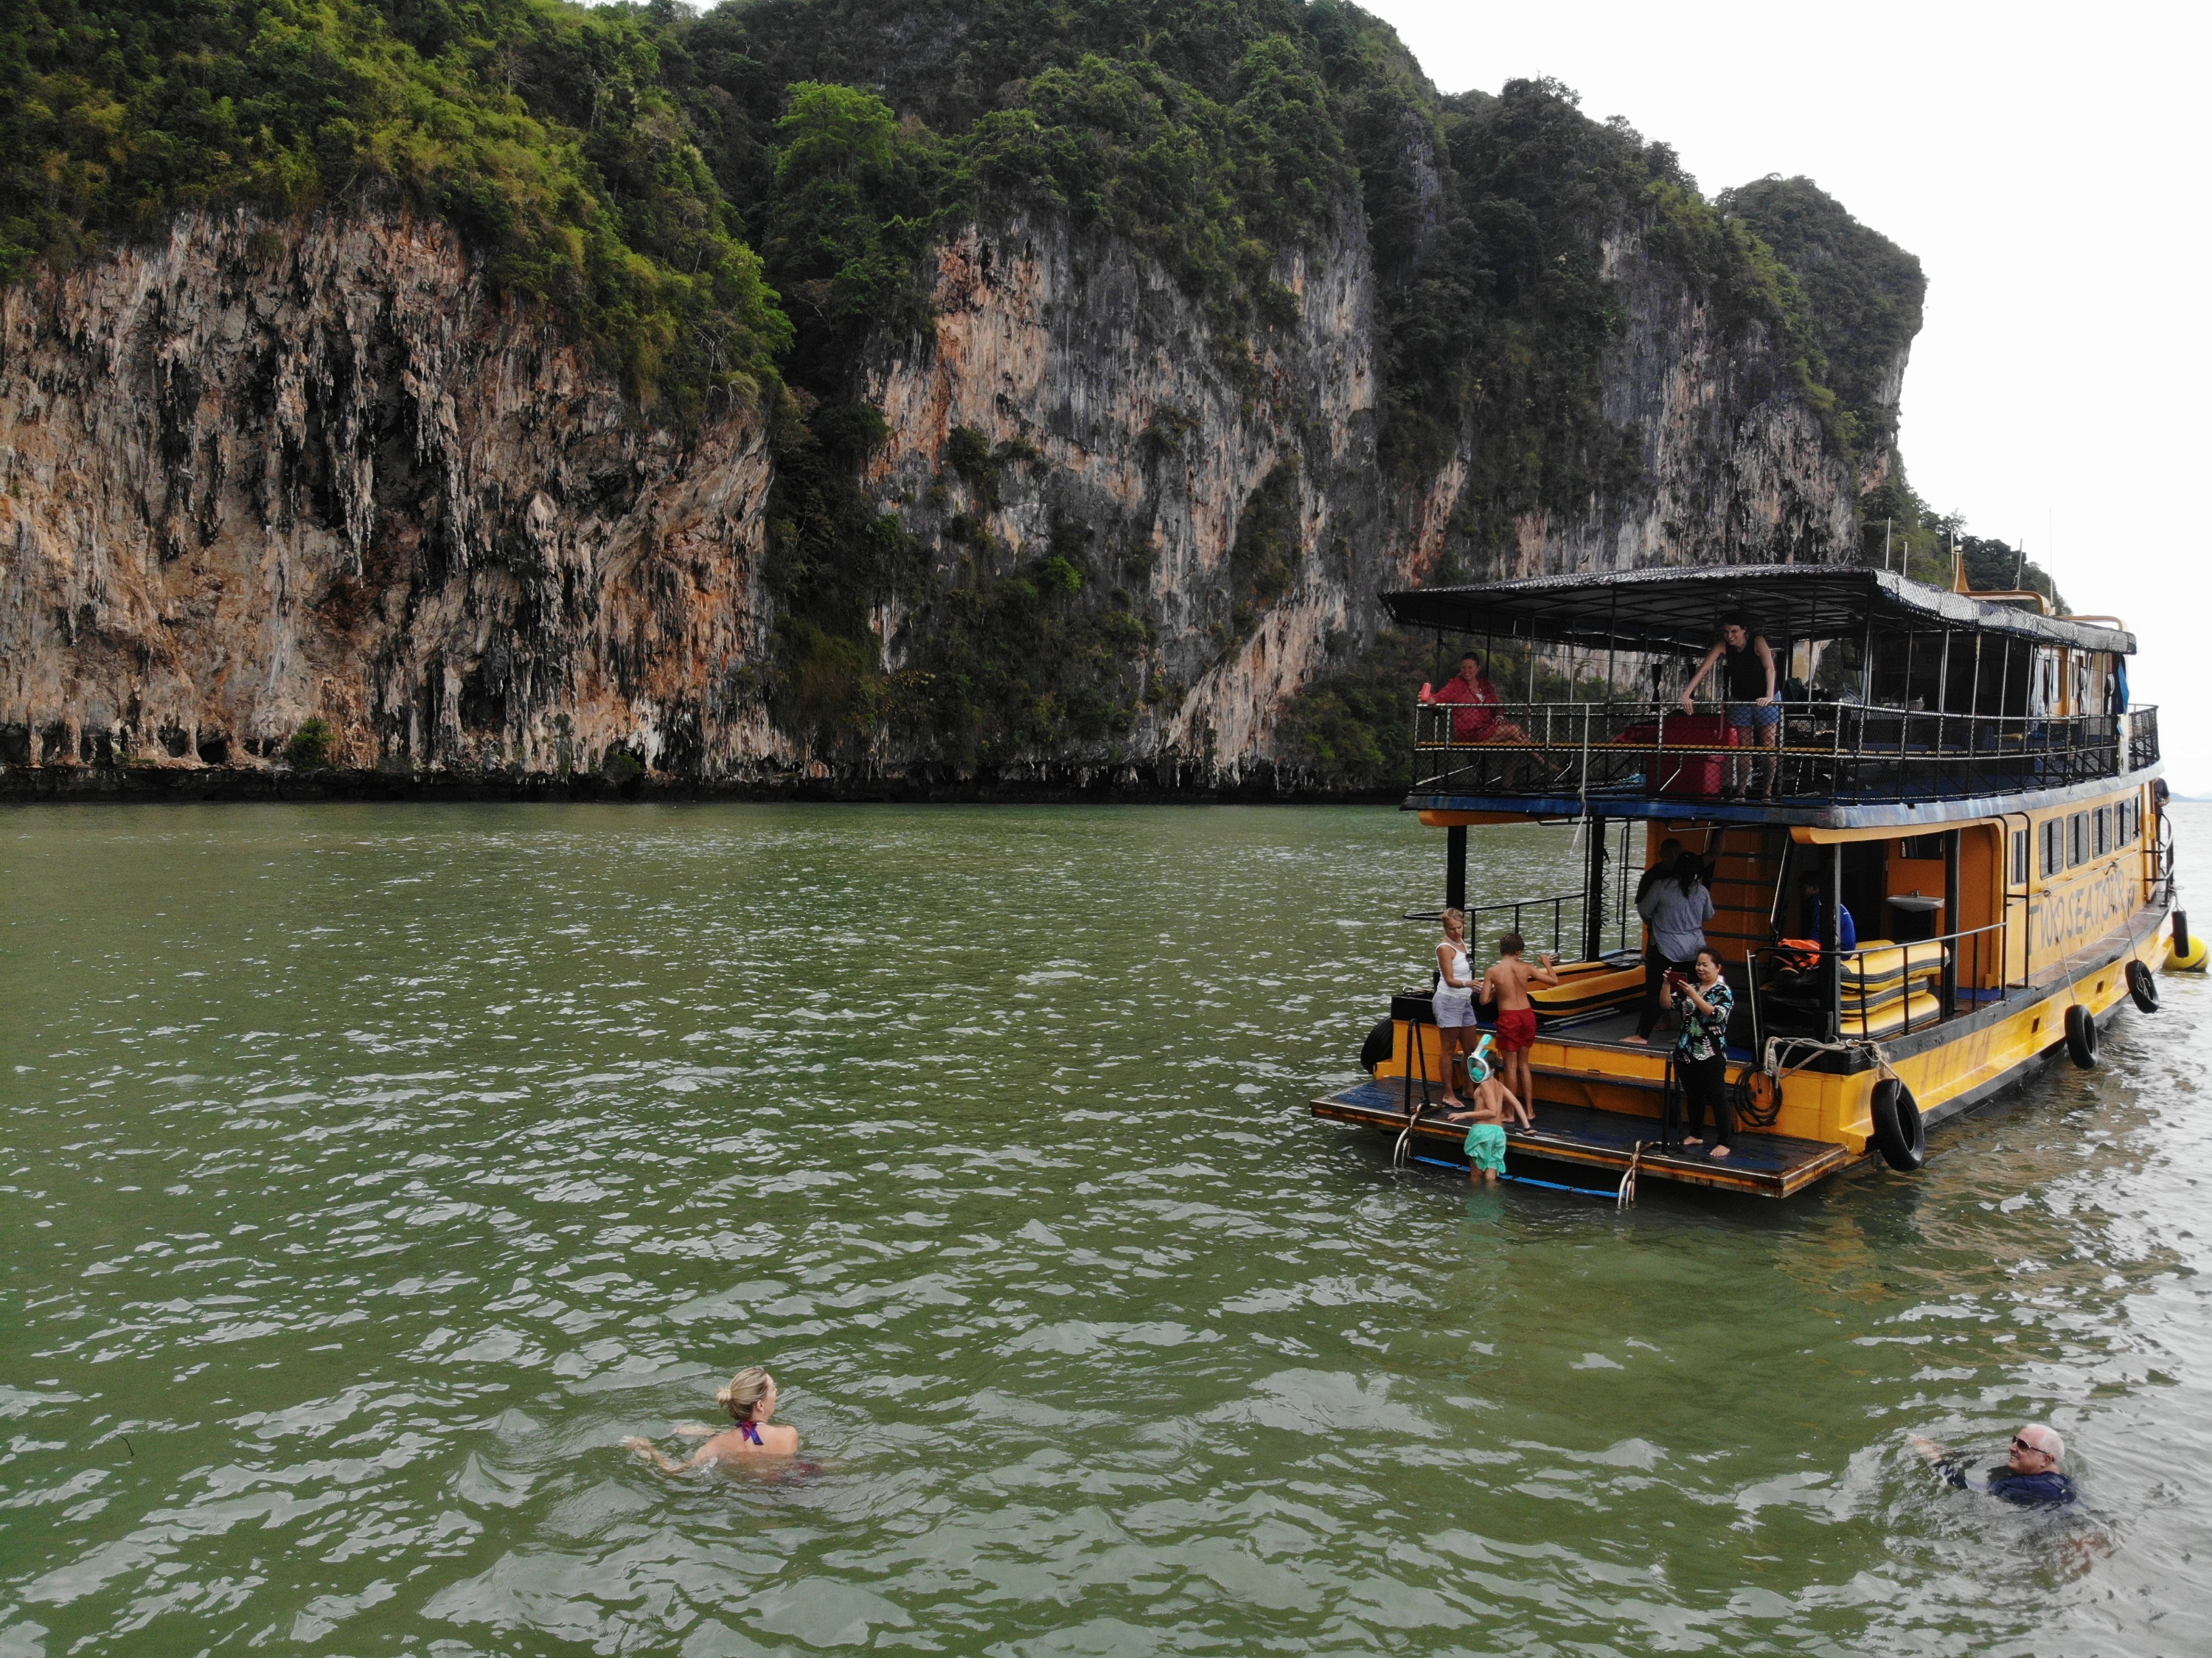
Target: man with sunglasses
{"x":2030,"y":1477}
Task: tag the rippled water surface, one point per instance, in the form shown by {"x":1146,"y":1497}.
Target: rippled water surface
{"x":370,"y":1172}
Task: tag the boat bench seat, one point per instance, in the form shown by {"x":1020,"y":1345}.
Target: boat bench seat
{"x":1881,"y":968}
{"x":1891,"y":1016}
{"x":1887,"y":988}
{"x":1589,"y":987}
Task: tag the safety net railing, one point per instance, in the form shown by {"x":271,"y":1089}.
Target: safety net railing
{"x":1794,"y":750}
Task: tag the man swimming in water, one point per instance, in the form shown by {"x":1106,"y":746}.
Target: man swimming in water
{"x":2029,"y":1477}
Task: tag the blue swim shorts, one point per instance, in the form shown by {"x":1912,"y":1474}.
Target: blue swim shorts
{"x":1751,"y":714}
{"x":1485,"y":1147}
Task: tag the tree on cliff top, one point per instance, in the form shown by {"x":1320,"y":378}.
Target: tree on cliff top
{"x":1864,"y":293}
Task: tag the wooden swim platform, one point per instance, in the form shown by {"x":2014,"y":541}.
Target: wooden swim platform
{"x":1761,"y":1164}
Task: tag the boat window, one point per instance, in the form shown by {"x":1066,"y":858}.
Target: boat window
{"x":1839,"y":671}
{"x":2054,"y":845}
{"x":2043,"y":684}
{"x":2123,"y":833}
{"x":2004,"y":668}
{"x":1913,"y":670}
{"x":2104,"y":829}
{"x":2019,"y":857}
{"x":2077,"y":838}
{"x":1866,"y":883}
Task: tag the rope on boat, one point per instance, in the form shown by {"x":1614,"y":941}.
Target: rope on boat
{"x":1863,"y":1046}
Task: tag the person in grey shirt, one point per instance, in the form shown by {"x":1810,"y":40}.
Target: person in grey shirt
{"x":1676,"y":909}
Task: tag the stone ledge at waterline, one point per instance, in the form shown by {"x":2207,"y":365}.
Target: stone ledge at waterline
{"x":1157,"y":783}
{"x":258,"y":473}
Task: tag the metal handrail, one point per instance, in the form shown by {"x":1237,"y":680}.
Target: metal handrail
{"x":1820,"y":751}
{"x":1992,"y":935}
{"x":1559,"y":903}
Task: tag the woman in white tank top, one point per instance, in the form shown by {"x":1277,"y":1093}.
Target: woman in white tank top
{"x":1454,"y":1001}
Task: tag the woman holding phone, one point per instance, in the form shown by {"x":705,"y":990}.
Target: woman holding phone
{"x":1704,"y":1001}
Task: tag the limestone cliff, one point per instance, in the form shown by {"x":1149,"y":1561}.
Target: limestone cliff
{"x":254,"y":474}
{"x":1735,"y":463}
{"x":257,"y":474}
{"x":1146,"y":426}
{"x":859,"y":395}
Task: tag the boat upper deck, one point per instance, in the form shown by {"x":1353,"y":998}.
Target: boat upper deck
{"x":1889,"y":702}
{"x":1823,"y":763}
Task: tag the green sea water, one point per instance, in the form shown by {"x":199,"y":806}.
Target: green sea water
{"x":370,"y":1172}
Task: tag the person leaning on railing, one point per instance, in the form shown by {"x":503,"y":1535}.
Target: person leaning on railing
{"x":1475,"y":718}
{"x":1748,"y":682}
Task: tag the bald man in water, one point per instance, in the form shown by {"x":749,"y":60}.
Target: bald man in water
{"x":2031,"y":1474}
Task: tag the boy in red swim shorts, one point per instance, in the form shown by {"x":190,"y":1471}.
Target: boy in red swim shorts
{"x":1506,"y":984}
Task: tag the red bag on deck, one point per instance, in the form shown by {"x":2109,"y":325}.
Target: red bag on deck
{"x":1696,"y":776}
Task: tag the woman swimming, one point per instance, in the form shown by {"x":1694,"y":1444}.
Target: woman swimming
{"x":750,"y":1398}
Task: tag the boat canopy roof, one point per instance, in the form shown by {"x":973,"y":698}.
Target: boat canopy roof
{"x":1677,"y":610}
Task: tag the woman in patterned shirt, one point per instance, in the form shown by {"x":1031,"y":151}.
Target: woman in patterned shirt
{"x":1702,"y":1006}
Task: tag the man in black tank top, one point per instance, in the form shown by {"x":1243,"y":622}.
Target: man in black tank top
{"x":1750,"y":688}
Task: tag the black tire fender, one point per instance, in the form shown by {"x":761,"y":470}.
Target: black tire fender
{"x":1899,"y":1134}
{"x":2142,"y":984}
{"x":2082,"y":1037}
{"x":1382,"y":1042}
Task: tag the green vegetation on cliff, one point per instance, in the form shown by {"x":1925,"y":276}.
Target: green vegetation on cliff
{"x":1212,"y":138}
{"x":1899,"y":530}
{"x":548,"y":134}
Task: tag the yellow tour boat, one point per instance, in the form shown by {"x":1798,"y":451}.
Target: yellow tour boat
{"x":1958,"y":771}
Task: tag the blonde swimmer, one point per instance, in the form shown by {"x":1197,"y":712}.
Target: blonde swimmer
{"x":750,"y":1398}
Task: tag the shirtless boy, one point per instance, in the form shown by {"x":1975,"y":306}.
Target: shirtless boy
{"x":1507,"y":984}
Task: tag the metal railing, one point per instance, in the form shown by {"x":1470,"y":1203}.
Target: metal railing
{"x":1566,"y":944}
{"x":1805,"y":752}
{"x":1790,"y":987}
{"x":2142,"y":738}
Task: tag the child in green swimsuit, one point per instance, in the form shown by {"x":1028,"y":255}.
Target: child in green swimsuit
{"x":1485,"y":1132}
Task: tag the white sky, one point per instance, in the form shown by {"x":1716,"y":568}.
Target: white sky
{"x":2049,"y":168}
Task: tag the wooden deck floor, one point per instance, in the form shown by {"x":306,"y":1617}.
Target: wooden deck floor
{"x":1767,"y":1165}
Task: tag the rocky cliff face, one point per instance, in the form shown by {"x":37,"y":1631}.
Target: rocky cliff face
{"x":256,"y":474}
{"x":1157,"y":433}
{"x":1158,"y":437}
{"x":1736,"y":466}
